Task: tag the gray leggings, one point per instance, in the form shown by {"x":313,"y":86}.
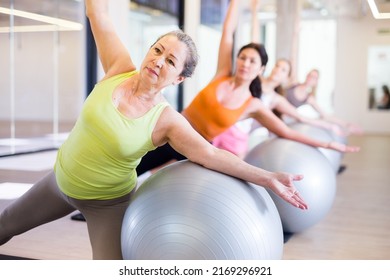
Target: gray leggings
{"x":44,"y":203}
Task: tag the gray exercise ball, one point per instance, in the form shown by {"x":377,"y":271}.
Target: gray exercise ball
{"x":187,"y":212}
{"x":324,"y":135}
{"x":317,"y":188}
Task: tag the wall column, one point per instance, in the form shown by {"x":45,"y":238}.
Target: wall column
{"x":191,"y":25}
{"x":287,"y":35}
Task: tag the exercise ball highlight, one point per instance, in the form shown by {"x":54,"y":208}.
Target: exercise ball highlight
{"x":317,"y":188}
{"x":187,"y":212}
{"x":321,"y":134}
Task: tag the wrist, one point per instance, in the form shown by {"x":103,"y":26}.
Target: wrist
{"x":267,"y":178}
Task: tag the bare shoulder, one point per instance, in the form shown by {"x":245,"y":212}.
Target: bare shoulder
{"x":169,"y":114}
{"x":171,"y":119}
{"x":169,"y":123}
{"x":255,"y":105}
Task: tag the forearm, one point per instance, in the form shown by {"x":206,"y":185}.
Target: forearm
{"x":279,"y":128}
{"x":255,"y":26}
{"x":97,"y":12}
{"x":96,"y":7}
{"x":225,"y":162}
{"x":225,"y":60}
{"x":113,"y":55}
{"x":334,"y":120}
{"x":231,"y":19}
{"x":279,"y":183}
{"x":302,"y":138}
{"x":228,"y":163}
{"x":324,"y":115}
{"x":317,"y":122}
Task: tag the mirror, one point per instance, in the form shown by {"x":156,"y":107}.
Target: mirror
{"x":42,"y":73}
{"x":378,"y":77}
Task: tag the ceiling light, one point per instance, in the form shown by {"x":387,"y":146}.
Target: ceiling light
{"x":375,"y":12}
{"x":64,"y":24}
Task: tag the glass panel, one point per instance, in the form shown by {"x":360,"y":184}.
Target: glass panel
{"x":213,"y":12}
{"x":42,"y":85}
{"x":6,"y":119}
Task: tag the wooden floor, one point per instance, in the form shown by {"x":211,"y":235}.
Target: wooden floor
{"x":356,"y":228}
{"x":358,"y":225}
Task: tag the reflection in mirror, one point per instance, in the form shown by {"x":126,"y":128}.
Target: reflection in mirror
{"x":378,"y":77}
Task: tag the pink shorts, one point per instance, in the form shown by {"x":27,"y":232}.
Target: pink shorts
{"x":233,"y":140}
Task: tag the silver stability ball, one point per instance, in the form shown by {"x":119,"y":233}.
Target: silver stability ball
{"x":321,"y":134}
{"x":317,"y":188}
{"x":187,"y":212}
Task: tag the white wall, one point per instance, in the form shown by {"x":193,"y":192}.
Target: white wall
{"x":317,"y":50}
{"x":351,"y":86}
{"x":34,"y":75}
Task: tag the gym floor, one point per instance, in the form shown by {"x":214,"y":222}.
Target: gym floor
{"x":356,"y":228}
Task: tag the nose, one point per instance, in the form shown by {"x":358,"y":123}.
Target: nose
{"x":159,"y":62}
{"x":247,"y":62}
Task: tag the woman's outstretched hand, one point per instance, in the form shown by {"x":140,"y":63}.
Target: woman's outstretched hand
{"x":282,"y":184}
{"x":354,"y":129}
{"x":343,"y":148}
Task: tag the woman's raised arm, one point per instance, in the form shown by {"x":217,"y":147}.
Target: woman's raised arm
{"x":225,"y":60}
{"x":113,"y":54}
{"x":255,"y":25}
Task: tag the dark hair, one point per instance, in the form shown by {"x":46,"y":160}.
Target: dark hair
{"x":192,"y":54}
{"x":385,"y":89}
{"x":255,"y":86}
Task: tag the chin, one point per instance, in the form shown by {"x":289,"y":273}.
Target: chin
{"x":243,"y":76}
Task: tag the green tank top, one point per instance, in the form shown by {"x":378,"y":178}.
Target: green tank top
{"x":98,"y":159}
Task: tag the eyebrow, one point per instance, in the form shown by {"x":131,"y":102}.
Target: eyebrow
{"x":170,"y":53}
